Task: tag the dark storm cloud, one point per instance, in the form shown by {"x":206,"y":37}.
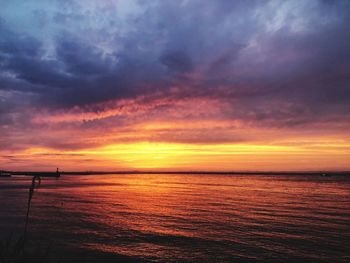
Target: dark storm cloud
{"x":81,"y":59}
{"x":80,"y":66}
{"x":281,"y":62}
{"x":177,"y":61}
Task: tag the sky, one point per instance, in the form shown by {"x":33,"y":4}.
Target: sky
{"x":188,"y":85}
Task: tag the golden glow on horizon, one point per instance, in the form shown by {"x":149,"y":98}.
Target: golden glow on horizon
{"x":205,"y":157}
{"x":170,"y":134}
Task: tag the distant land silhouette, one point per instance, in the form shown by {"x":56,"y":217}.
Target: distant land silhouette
{"x":54,"y":174}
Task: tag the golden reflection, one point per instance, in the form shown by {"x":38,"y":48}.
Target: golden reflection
{"x":176,"y":205}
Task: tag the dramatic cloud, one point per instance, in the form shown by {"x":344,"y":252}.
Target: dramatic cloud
{"x":81,"y":74}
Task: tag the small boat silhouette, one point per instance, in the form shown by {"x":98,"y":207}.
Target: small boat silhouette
{"x":58,"y":174}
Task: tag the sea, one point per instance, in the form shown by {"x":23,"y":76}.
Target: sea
{"x":182,"y":217}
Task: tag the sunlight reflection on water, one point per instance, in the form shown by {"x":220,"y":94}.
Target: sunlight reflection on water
{"x":188,"y":217}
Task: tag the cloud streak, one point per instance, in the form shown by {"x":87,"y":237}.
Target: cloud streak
{"x":72,"y":72}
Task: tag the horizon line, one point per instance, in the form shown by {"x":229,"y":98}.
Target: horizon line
{"x":251,"y":172}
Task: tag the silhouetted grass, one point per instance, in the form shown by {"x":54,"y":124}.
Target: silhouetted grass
{"x":14,"y":249}
{"x":17,"y":249}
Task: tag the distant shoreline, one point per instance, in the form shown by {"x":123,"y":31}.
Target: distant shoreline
{"x":43,"y":173}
